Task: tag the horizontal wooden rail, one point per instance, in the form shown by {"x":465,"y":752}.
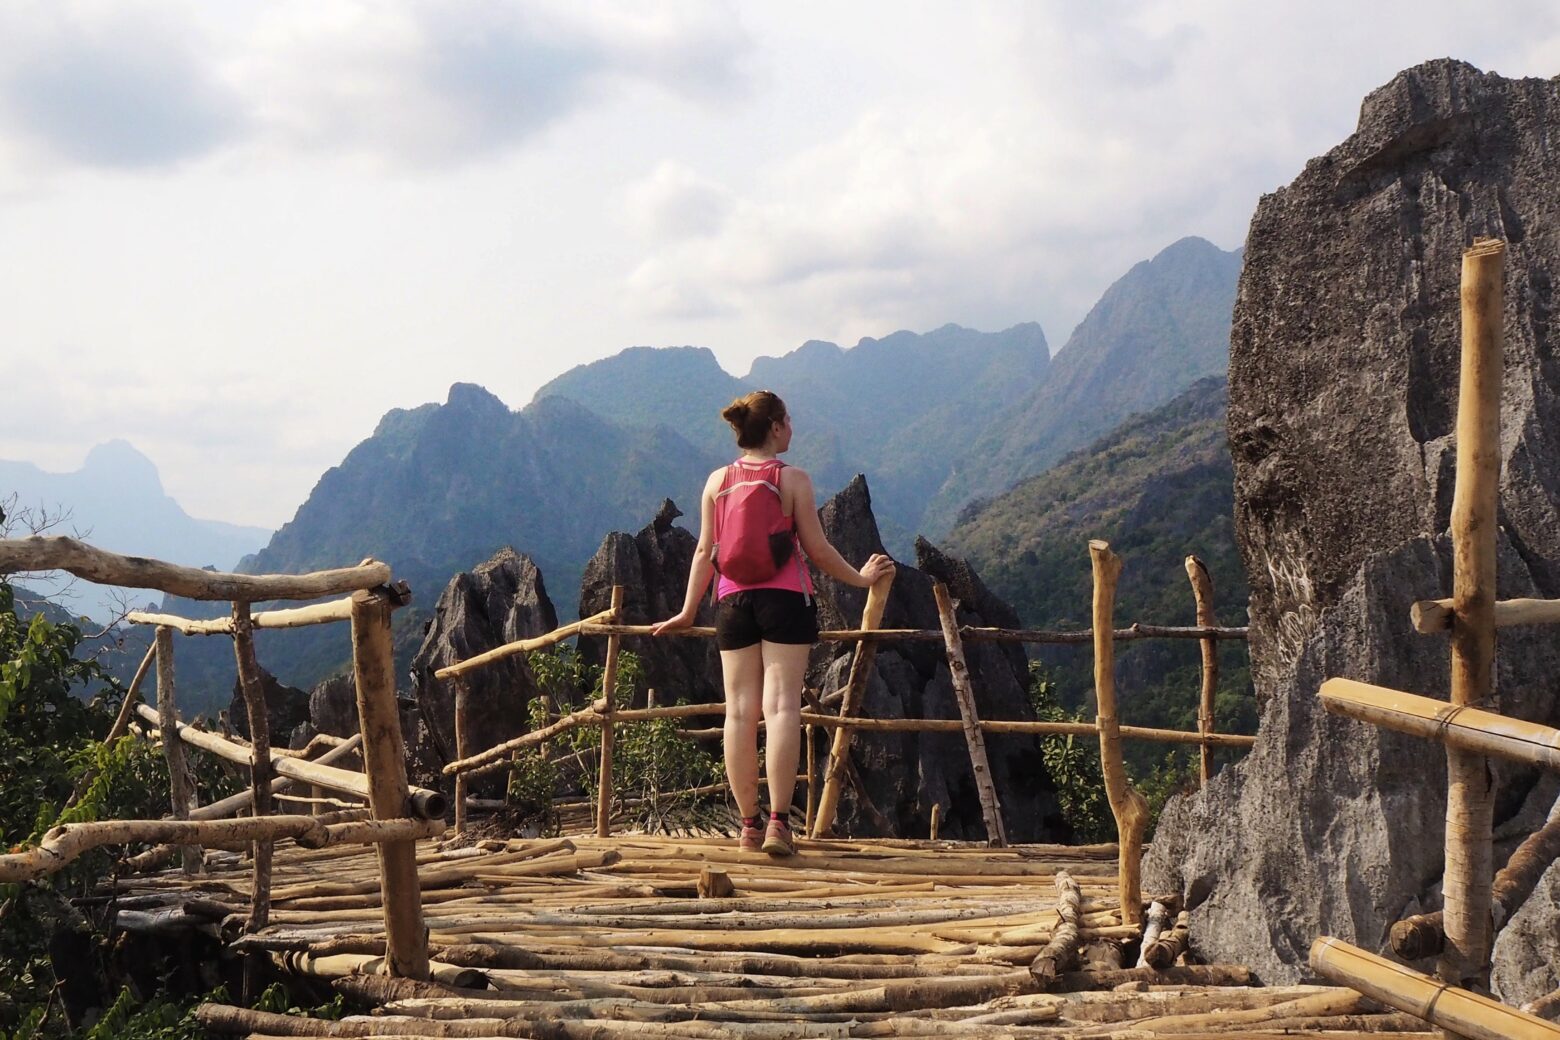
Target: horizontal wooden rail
{"x":520,"y":646}
{"x":496,"y":757}
{"x":421,"y":803}
{"x":969,"y":633}
{"x":62,"y":845}
{"x":54,"y":553}
{"x":1458,"y":1011}
{"x":245,"y":799}
{"x":294,"y":617}
{"x":1470,"y":729}
{"x":1435,"y":615}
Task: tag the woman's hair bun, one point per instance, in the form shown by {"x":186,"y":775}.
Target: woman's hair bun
{"x":752,"y":415}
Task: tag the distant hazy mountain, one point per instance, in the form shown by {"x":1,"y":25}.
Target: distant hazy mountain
{"x":1158,"y":488}
{"x":900,"y":408}
{"x":117,"y":502}
{"x":1161,"y":326}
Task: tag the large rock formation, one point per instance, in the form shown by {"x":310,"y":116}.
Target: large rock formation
{"x":652,"y":566}
{"x":497,"y":602}
{"x":905,"y":774}
{"x":1343,"y":393}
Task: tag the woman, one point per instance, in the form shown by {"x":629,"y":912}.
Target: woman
{"x":764,"y":626}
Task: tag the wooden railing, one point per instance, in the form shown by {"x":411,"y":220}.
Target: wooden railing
{"x":399,"y":814}
{"x":1463,"y":932}
{"x":821,"y":806}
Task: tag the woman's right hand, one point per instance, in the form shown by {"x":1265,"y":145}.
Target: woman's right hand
{"x":875,"y":569}
{"x":682,"y":619}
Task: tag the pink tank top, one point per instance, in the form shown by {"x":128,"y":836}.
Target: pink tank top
{"x":792,"y":576}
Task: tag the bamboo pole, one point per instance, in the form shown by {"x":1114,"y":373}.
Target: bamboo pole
{"x":1061,"y":953}
{"x":974,"y":738}
{"x":496,"y":757}
{"x":609,"y":671}
{"x":855,"y":689}
{"x":1431,"y":616}
{"x":422,"y":803}
{"x":384,"y":760}
{"x":66,"y":843}
{"x":1202,"y":593}
{"x":294,"y":617}
{"x":936,"y":820}
{"x":179,"y":786}
{"x":1128,"y":806}
{"x":121,"y":724}
{"x":49,"y":553}
{"x":1453,"y":1009}
{"x":259,"y":783}
{"x":1470,"y":789}
{"x":462,"y":750}
{"x":1471,"y":730}
{"x":245,"y":799}
{"x":969,"y":633}
{"x":520,"y":646}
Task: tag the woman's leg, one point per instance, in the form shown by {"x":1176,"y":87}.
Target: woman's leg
{"x":785,"y":665}
{"x":743,"y":673}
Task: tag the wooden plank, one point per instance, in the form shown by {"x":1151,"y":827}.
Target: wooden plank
{"x":51,"y":553}
{"x":974,"y":738}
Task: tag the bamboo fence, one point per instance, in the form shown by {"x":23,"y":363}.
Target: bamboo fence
{"x":1469,"y":723}
{"x":823,"y":794}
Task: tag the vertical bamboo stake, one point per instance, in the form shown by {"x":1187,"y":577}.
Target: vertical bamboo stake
{"x":1128,"y":806}
{"x":974,"y":737}
{"x":384,"y":761}
{"x":936,"y":819}
{"x":850,"y":704}
{"x":260,"y":784}
{"x":810,"y":745}
{"x":608,"y":729}
{"x":1202,"y":592}
{"x":462,"y":724}
{"x":1469,"y":794}
{"x":173,"y":748}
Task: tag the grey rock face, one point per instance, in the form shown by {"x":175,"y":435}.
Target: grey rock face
{"x":497,"y":602}
{"x":286,"y":709}
{"x":1343,"y":392}
{"x":333,"y":707}
{"x":905,"y":774}
{"x":652,"y":566}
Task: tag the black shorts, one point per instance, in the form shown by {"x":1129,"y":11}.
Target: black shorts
{"x":772,"y":615}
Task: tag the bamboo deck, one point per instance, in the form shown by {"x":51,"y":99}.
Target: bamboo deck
{"x":625,"y":937}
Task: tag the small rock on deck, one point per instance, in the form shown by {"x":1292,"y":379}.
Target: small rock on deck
{"x":636,"y":936}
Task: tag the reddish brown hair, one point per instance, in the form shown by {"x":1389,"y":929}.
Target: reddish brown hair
{"x":752,"y":415}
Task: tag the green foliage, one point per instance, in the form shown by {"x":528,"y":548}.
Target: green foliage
{"x":653,"y":765}
{"x":1073,"y":763}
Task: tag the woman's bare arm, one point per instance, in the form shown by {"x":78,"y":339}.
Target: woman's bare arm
{"x":703,"y":566}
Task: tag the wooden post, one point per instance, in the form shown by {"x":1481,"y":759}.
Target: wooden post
{"x":462,"y":724}
{"x":173,"y":748}
{"x":850,"y":705}
{"x":1470,"y":790}
{"x":1457,"y":1011}
{"x":974,"y":738}
{"x":260,"y":785}
{"x":809,"y":734}
{"x":384,"y":761}
{"x":609,"y":670}
{"x":1128,"y":806}
{"x":936,"y":819}
{"x":1202,"y":592}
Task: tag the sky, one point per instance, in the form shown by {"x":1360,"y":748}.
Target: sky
{"x":235,"y":234}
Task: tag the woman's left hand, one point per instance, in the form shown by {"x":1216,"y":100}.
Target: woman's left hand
{"x":678,"y":620}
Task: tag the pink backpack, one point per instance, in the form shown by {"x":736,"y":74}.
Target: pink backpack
{"x":753,"y":536}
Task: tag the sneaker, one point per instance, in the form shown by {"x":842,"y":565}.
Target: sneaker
{"x":752,"y":839}
{"x":778,"y":839}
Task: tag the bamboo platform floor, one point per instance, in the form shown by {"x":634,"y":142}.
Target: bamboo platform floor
{"x":612,"y":938}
